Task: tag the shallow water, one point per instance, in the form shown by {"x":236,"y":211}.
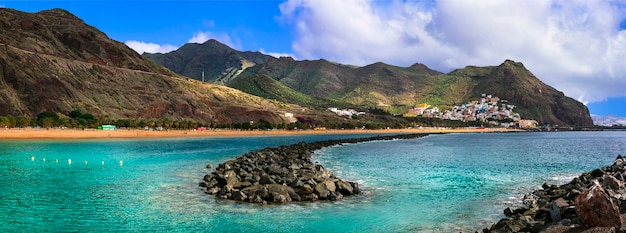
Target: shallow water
{"x":440,"y":183}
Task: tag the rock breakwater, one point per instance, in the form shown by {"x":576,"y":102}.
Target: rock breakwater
{"x":283,"y":174}
{"x":593,"y":202}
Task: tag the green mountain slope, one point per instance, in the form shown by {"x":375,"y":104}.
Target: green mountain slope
{"x":218,"y":62}
{"x":380,"y":85}
{"x":266,"y":87}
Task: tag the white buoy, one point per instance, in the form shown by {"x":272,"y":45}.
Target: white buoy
{"x":121,"y":162}
{"x":32,"y":158}
{"x":44,"y":160}
{"x":103,"y":162}
{"x":86,"y":162}
{"x":69,"y":161}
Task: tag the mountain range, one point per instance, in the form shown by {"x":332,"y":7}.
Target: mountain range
{"x":321,"y":83}
{"x":610,"y":120}
{"x":52,"y":61}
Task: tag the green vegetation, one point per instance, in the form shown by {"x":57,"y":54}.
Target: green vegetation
{"x":79,"y":120}
{"x":377,"y":119}
{"x":447,"y":91}
{"x":266,"y":87}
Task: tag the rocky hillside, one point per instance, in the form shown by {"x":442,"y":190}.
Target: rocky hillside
{"x":53,"y":61}
{"x":378,"y":85}
{"x":533,"y":98}
{"x":219,"y":62}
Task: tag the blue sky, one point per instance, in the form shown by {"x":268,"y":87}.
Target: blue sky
{"x":578,"y":47}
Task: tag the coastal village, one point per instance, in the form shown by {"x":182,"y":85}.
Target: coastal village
{"x":488,"y":109}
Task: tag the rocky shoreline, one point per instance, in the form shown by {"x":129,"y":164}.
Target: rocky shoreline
{"x":283,"y":174}
{"x":593,"y":202}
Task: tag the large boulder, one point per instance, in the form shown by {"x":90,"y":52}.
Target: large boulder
{"x":239,"y":196}
{"x":324,"y":188}
{"x":597,"y":209}
{"x":229,"y":177}
{"x":557,"y":209}
{"x":344,"y":187}
{"x":281,"y":193}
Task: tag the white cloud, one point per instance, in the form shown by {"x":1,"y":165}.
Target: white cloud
{"x":198,"y":37}
{"x":142,"y":47}
{"x":277,"y":55}
{"x":574,"y":46}
{"x":2,"y":6}
{"x":202,"y":36}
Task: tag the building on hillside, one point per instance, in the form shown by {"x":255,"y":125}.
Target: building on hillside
{"x":290,"y":117}
{"x":527,"y":124}
{"x":489,"y":108}
{"x":345,"y":112}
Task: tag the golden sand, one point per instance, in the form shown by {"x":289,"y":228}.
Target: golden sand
{"x":16,"y":133}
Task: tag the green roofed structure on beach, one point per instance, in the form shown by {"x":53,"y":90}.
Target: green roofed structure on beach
{"x":106,"y":127}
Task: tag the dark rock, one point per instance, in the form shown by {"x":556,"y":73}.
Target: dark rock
{"x":311,"y":197}
{"x":335,"y":196}
{"x":324,"y":188}
{"x":557,"y":208}
{"x":344,"y":187}
{"x":597,"y":173}
{"x":239,"y":196}
{"x":280,"y":198}
{"x":242,"y":185}
{"x":510,"y":225}
{"x":610,"y":182}
{"x":295,"y":197}
{"x":304,"y":189}
{"x":256,"y":190}
{"x":266,"y":179}
{"x":509,"y":211}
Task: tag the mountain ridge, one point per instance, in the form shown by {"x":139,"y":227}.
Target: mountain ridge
{"x":608,"y":121}
{"x":397,"y":89}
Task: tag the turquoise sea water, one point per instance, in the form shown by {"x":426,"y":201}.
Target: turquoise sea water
{"x":440,"y":183}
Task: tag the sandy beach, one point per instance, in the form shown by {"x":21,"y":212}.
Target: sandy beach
{"x":19,"y":133}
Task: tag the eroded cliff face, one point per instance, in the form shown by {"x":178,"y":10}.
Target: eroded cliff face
{"x":53,"y":61}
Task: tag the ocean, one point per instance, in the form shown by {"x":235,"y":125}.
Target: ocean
{"x":438,"y":183}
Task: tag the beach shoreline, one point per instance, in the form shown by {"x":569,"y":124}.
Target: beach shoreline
{"x":55,"y":133}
